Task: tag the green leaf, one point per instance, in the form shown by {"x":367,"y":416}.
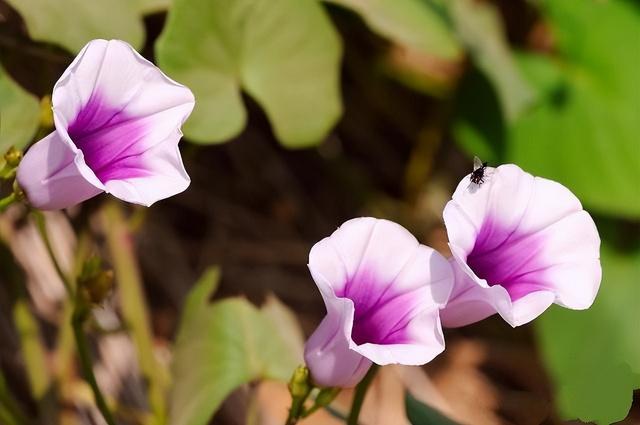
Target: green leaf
{"x":19,"y":114}
{"x":594,"y":355}
{"x":73,"y":23}
{"x":413,"y":24}
{"x":284,"y":53}
{"x":419,"y":413}
{"x":198,"y":297}
{"x":475,"y":124}
{"x":584,"y":132}
{"x":153,"y":6}
{"x":479,"y":27}
{"x":223,"y":345}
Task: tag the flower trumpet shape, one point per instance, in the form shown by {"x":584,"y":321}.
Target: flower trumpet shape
{"x":519,"y":244}
{"x":117,"y":126}
{"x":383,"y":292}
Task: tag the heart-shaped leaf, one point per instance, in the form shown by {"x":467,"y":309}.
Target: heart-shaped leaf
{"x":284,"y":53}
{"x":223,"y":345}
{"x":73,"y":23}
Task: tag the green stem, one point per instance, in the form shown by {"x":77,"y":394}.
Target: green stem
{"x":323,"y":399}
{"x":134,"y":309}
{"x":361,"y":391}
{"x":77,"y":322}
{"x":297,"y":405}
{"x":80,"y":314}
{"x":9,"y":406}
{"x":42,"y":229}
{"x":6,"y":202}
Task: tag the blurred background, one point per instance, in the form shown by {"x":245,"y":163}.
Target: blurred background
{"x":310,"y":113}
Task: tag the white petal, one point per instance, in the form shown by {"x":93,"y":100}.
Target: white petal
{"x":53,"y":175}
{"x":165,"y":175}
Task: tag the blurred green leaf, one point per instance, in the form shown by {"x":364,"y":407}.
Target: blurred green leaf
{"x":134,"y":310}
{"x":419,"y":413}
{"x":413,"y":24}
{"x":152,"y":6}
{"x":73,"y":23}
{"x":584,"y":132}
{"x":475,"y":124}
{"x":283,"y":53}
{"x":223,"y":345}
{"x":594,"y":355}
{"x":479,"y":27}
{"x":198,"y":298}
{"x":19,"y":114}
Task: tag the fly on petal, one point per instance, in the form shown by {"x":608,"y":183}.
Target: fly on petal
{"x":520,"y":243}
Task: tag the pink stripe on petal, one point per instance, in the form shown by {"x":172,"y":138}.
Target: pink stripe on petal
{"x":110,"y":140}
{"x":504,"y":257}
{"x":395,"y":288}
{"x":520,"y":243}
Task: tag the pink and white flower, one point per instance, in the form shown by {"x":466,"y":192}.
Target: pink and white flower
{"x":383,"y":292}
{"x":519,"y":244}
{"x":117,"y":120}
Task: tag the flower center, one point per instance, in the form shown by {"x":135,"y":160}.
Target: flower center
{"x":108,"y":139}
{"x":381,"y":313}
{"x":507,"y":258}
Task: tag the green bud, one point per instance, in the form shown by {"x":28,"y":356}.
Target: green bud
{"x":94,"y":282}
{"x":13,"y":157}
{"x":299,"y":385}
{"x":46,"y":112}
{"x":326,"y":396}
{"x":18,"y":192}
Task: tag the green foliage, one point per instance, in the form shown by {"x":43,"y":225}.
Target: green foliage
{"x":476,"y":124}
{"x":19,"y":114}
{"x":582,"y":130}
{"x":594,"y":355}
{"x":588,"y":115}
{"x":223,"y":345}
{"x":419,"y":413}
{"x":284,"y":53}
{"x":152,"y":6}
{"x":413,"y":24}
{"x":480,"y":29}
{"x":72,"y":23}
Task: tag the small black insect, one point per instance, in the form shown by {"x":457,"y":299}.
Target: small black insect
{"x":477,"y":176}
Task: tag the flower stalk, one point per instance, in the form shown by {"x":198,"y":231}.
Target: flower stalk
{"x":361,"y":392}
{"x":81,"y":312}
{"x":299,"y":388}
{"x":80,"y":315}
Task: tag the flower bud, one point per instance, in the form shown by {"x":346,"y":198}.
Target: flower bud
{"x":299,"y":386}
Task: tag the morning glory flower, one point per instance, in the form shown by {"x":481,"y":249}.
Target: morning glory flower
{"x":117,"y":126}
{"x":383,"y":292}
{"x":519,"y":244}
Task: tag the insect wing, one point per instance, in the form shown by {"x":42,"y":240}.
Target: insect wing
{"x":477,"y":163}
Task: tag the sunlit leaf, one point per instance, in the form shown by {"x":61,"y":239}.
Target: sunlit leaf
{"x":19,"y":114}
{"x":414,"y":24}
{"x":284,"y":53}
{"x":73,"y":23}
{"x":223,"y":345}
{"x":594,"y":355}
{"x":584,"y":133}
